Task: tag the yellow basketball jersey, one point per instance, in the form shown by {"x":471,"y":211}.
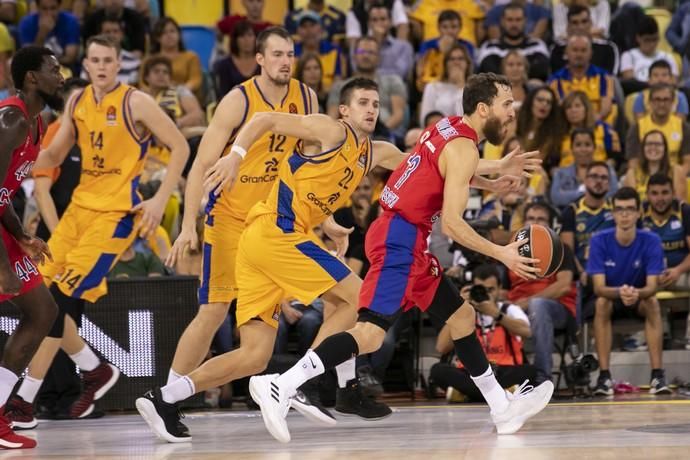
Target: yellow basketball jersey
{"x":672,"y":130}
{"x":311,"y":188}
{"x":112,"y":151}
{"x":259,"y":169}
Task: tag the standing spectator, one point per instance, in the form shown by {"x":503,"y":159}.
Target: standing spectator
{"x":431,"y":52}
{"x":427,"y":12}
{"x":397,"y":55}
{"x":166,"y":40}
{"x":392,"y":90}
{"x":580,"y":74}
{"x":536,"y":25}
{"x":604,"y":52}
{"x":516,"y":68}
{"x":540,"y":125}
{"x":241,"y":64}
{"x":550,"y":301}
{"x":578,"y":113}
{"x":56,"y":30}
{"x":655,"y":160}
{"x":358,"y":21}
{"x":255,"y":12}
{"x":310,"y":40}
{"x":569,"y":181}
{"x":660,"y":73}
{"x":445,"y":95}
{"x":513,"y":37}
{"x":332,"y":20}
{"x":675,"y":130}
{"x":129,"y":61}
{"x":599,"y":11}
{"x":133,"y":23}
{"x":625,"y":264}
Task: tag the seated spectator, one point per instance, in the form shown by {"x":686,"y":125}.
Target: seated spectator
{"x":569,"y":181}
{"x":655,"y":160}
{"x":588,"y":215}
{"x":536,"y":24}
{"x":550,"y":302}
{"x":392,"y":90}
{"x":516,"y":68}
{"x":580,"y":74}
{"x":501,"y":328}
{"x":241,"y":64}
{"x":635,"y":63}
{"x":669,"y":218}
{"x":137,"y":264}
{"x":508,"y":208}
{"x":540,"y":125}
{"x":431,"y":52}
{"x":166,"y":40}
{"x":305,"y":319}
{"x":397,"y":55}
{"x":625,"y":264}
{"x":332,"y":20}
{"x":660,"y":73}
{"x":310,"y":72}
{"x":599,"y":11}
{"x":675,"y":130}
{"x":445,"y":95}
{"x":332,"y":59}
{"x":134,"y":25}
{"x":513,"y":37}
{"x":432,"y":118}
{"x":129,"y":62}
{"x":604,"y":52}
{"x":358,"y":21}
{"x":426,"y":15}
{"x":255,"y":11}
{"x":52,"y":28}
{"x":578,"y":113}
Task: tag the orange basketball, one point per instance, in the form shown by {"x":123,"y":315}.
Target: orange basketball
{"x":544,"y":244}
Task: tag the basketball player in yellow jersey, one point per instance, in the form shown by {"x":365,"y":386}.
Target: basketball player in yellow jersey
{"x":271,"y":91}
{"x":113,"y":125}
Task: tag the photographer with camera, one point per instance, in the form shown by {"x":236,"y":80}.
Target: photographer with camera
{"x":501,"y":327}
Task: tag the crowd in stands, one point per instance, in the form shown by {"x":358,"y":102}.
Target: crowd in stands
{"x":601,"y":91}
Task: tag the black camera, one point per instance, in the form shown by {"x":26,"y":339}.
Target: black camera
{"x":577,"y":373}
{"x":478,"y":293}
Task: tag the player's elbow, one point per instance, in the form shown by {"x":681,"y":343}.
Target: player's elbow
{"x":449,"y":222}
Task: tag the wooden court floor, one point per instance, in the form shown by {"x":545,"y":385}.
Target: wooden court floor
{"x":626,"y":430}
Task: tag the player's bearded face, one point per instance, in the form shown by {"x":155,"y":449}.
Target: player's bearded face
{"x":494,"y":129}
{"x":54,"y":101}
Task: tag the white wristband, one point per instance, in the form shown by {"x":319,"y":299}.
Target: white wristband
{"x":239,"y":150}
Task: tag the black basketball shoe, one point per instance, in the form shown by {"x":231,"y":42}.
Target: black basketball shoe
{"x":162,"y":417}
{"x":351,"y":401}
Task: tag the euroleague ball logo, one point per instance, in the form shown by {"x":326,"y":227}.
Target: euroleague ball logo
{"x":523,"y":250}
{"x":292,"y":108}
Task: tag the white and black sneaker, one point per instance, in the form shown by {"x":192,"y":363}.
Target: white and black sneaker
{"x":604,"y":387}
{"x":308,"y":403}
{"x":274,"y":403}
{"x":162,"y":417}
{"x":658,"y":386}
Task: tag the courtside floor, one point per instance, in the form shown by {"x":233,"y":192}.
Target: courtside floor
{"x":645,"y":429}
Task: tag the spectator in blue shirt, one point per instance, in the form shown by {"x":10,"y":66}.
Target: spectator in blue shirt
{"x":536,"y":20}
{"x":625,"y":264}
{"x":54,"y":29}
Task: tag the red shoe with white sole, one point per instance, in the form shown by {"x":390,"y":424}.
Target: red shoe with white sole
{"x":11,"y":440}
{"x":96,"y":384}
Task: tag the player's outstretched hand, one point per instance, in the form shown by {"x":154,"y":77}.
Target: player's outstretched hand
{"x":35,"y":248}
{"x":338,"y":234}
{"x":524,"y":267}
{"x":505,"y":184}
{"x":187,"y":240}
{"x":222,"y":175}
{"x":520,"y":164}
{"x":151,"y":215}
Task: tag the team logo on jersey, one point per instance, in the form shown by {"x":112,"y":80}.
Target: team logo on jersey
{"x":111,"y":116}
{"x":581,"y":227}
{"x":362,"y":160}
{"x":333,"y":197}
{"x":271,"y":165}
{"x":292,"y":108}
{"x":98,"y":162}
{"x":434,"y":269}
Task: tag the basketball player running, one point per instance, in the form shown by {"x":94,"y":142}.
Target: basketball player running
{"x":278,"y":253}
{"x":113,"y":125}
{"x":434,"y":180}
{"x":36,"y":74}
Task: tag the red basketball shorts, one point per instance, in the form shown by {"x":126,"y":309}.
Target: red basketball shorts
{"x":21,"y":264}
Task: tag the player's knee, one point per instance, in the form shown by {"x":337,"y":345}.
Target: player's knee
{"x":650,"y":307}
{"x":603,"y":307}
{"x":369,"y":336}
{"x":462,"y":320}
{"x":211,"y":316}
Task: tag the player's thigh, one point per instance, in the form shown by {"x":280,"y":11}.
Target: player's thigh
{"x":258,"y":297}
{"x":347,"y":290}
{"x":218,"y":282}
{"x":63,"y":239}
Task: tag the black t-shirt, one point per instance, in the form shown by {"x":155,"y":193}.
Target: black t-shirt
{"x":355,"y":250}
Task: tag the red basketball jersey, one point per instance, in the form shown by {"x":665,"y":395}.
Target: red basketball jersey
{"x":23,"y":157}
{"x":415,"y":189}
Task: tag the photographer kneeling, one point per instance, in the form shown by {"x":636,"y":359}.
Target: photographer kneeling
{"x":500,"y":328}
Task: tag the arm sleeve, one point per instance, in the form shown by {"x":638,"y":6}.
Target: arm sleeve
{"x":516,"y":312}
{"x":398,"y":15}
{"x":560,"y":21}
{"x":601,"y":15}
{"x":627,"y":61}
{"x":638,"y":105}
{"x":682,"y":108}
{"x":595,"y":263}
{"x":427,"y":104}
{"x":352,"y":26}
{"x":559,"y":196}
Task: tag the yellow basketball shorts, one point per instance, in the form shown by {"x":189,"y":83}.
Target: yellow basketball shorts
{"x":221,"y":238}
{"x":272,"y":265}
{"x":85,"y":246}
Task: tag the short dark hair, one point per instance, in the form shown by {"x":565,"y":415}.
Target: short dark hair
{"x":240,"y":29}
{"x":486,"y":271}
{"x":428,"y":116}
{"x":581,"y":131}
{"x":366,"y":38}
{"x":659,"y":179}
{"x":352,"y":85}
{"x":481,"y":88}
{"x":539,"y":205}
{"x":449,"y":15}
{"x":103,"y":40}
{"x":266,"y":33}
{"x":660,"y":64}
{"x":153,"y":61}
{"x":377,"y":5}
{"x":73,"y":83}
{"x":27,"y":59}
{"x":597,"y":164}
{"x":626,"y":193}
{"x":574,"y":10}
{"x":111,"y":18}
{"x":647,"y":26}
{"x":660,"y":87}
{"x":513,"y":6}
{"x":38,"y":2}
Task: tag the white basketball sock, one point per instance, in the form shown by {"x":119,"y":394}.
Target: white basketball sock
{"x":29,"y":388}
{"x":494,"y":394}
{"x":86,"y":359}
{"x":8,"y":380}
{"x":179,"y":390}
{"x":345,"y":371}
{"x":306,"y":369}
{"x":172,"y":376}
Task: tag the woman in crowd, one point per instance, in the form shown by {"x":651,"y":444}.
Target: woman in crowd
{"x":540,"y":125}
{"x":515,"y":67}
{"x":310,"y":71}
{"x":241,"y":64}
{"x":445,"y":95}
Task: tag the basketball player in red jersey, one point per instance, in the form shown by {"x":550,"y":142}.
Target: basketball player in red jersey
{"x":36,"y":75}
{"x":434,"y":181}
